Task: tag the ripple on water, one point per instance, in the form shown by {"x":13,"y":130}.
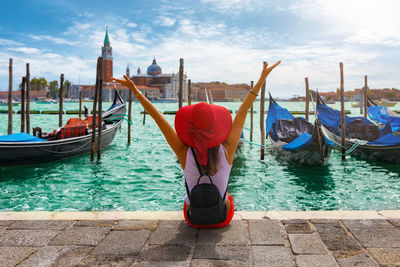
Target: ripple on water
{"x":147,"y":176}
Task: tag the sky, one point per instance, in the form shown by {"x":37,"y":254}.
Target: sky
{"x":219,"y":40}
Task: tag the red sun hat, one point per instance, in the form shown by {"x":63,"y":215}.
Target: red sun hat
{"x":203,"y":126}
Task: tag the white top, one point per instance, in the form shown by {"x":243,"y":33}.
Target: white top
{"x":220,"y":179}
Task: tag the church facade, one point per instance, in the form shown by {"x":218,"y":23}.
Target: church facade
{"x":155,"y":84}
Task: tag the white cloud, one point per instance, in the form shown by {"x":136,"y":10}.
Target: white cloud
{"x":78,"y":29}
{"x":85,"y":14}
{"x":235,"y":7}
{"x":7,"y":42}
{"x":52,"y":39}
{"x":362,"y":21}
{"x":166,"y":21}
{"x":25,"y":50}
{"x":131,"y":25}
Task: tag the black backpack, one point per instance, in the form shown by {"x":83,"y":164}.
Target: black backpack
{"x":206,"y":204}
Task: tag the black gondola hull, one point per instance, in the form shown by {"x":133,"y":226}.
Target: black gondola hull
{"x":39,"y":152}
{"x":21,"y":153}
{"x":311,"y":155}
{"x":381,"y":153}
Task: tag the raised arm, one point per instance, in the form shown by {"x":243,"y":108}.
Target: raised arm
{"x":233,"y":139}
{"x":169,"y":133}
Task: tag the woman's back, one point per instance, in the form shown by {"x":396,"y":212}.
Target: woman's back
{"x":220,"y":178}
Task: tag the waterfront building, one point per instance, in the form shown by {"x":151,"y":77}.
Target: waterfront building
{"x":220,"y":91}
{"x":154,"y":83}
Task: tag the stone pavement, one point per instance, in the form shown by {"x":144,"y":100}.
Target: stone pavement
{"x":247,"y":241}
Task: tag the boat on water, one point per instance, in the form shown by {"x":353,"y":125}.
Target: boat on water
{"x":5,"y":103}
{"x":364,"y":139}
{"x":72,"y":139}
{"x":383,"y":115}
{"x":294,"y":139}
{"x":381,"y":102}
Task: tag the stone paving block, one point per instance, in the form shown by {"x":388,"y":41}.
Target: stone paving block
{"x":366,"y":223}
{"x":265,"y":232}
{"x":106,"y":261}
{"x":236,"y":253}
{"x":395,"y":222}
{"x":298,"y":228}
{"x":136,"y":225}
{"x":374,"y":233}
{"x":40,"y":225}
{"x":233,"y":234}
{"x":294,"y":221}
{"x":126,"y":243}
{"x":85,"y":236}
{"x":307,"y":244}
{"x":165,"y":253}
{"x":57,"y":256}
{"x":6,"y":222}
{"x":217,"y":263}
{"x":386,"y":256}
{"x":161,"y":264}
{"x":315,"y":261}
{"x":11,"y":256}
{"x":321,"y":221}
{"x":360,"y":260}
{"x":26,"y":238}
{"x":272,"y":256}
{"x":95,"y":223}
{"x":173,"y":232}
{"x":336,"y":238}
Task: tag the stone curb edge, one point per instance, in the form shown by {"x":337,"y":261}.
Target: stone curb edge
{"x":178,"y":215}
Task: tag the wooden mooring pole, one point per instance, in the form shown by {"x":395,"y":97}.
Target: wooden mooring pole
{"x":130,"y":116}
{"x":96,"y":93}
{"x":10,"y":99}
{"x":307,"y":98}
{"x":60,"y":100}
{"x":262,"y":128}
{"x":80,"y":103}
{"x":180,"y":93}
{"x":23,"y":105}
{"x":189,"y":92}
{"x":251,"y":114}
{"x":28,"y":99}
{"x":100,"y":92}
{"x":144,"y":111}
{"x":365,"y":95}
{"x":342,"y":112}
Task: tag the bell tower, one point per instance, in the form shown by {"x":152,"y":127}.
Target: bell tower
{"x":106,"y":53}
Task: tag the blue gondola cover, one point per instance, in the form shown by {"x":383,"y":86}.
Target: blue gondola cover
{"x":387,"y":140}
{"x":302,"y":141}
{"x":20,"y":137}
{"x":275,"y":113}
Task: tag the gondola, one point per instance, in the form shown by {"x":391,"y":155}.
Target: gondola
{"x":364,"y":139}
{"x":383,"y":115}
{"x":296,"y":140}
{"x":22,"y":148}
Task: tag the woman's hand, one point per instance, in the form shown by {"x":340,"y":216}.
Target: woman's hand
{"x":128,"y":83}
{"x":266,"y":70}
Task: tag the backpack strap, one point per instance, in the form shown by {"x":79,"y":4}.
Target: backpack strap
{"x":187,"y":191}
{"x":197,"y":163}
{"x":199,"y":168}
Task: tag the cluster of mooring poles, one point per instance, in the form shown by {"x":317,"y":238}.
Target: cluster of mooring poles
{"x":26,"y":100}
{"x":363,"y":105}
{"x":97,"y":112}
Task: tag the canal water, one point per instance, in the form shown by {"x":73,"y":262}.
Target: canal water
{"x":147,"y":176}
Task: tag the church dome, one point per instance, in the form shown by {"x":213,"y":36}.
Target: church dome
{"x":154,"y":69}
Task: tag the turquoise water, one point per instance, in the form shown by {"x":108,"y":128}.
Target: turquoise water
{"x":147,"y":176}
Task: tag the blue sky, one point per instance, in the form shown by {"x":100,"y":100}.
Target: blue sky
{"x":220,"y":40}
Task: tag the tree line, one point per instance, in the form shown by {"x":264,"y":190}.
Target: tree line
{"x":52,"y":87}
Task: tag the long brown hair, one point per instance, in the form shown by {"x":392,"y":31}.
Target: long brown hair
{"x":212,"y":163}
